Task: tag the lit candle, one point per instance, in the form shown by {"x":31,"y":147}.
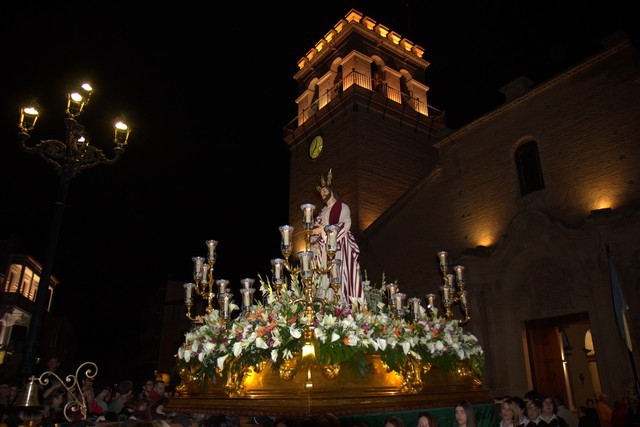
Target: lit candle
{"x":197,"y":266}
{"x":247,"y":294}
{"x":188,"y":288}
{"x":286,"y":231}
{"x":399,"y":298}
{"x":430,"y":300}
{"x":332,"y":237}
{"x":205,"y":274}
{"x":415,"y":307}
{"x":463,"y":298}
{"x":445,"y":294}
{"x":222,"y":287}
{"x":307,"y":213}
{"x":459,"y":269}
{"x":247,"y":283}
{"x":305,"y":263}
{"x":451,"y":281}
{"x":335,"y":271}
{"x":277,"y":265}
{"x":392,"y":288}
{"x":211,"y":245}
{"x":225,"y":299}
{"x":443,"y":258}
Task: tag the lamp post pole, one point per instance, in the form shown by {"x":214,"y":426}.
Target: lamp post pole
{"x":68,"y":157}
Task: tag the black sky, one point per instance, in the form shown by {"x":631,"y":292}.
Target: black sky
{"x":207,"y":93}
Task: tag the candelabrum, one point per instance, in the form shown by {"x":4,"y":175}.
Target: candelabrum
{"x":205,"y":286}
{"x":311,"y":270}
{"x":76,"y":406}
{"x":320,"y":281}
{"x":453,"y":291}
{"x":68,"y":157}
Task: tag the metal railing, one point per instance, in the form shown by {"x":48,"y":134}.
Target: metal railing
{"x":364,"y":81}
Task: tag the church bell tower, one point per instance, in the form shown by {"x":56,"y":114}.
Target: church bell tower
{"x":362,"y":112}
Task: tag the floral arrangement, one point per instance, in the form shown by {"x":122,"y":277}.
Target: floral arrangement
{"x":272,"y":332}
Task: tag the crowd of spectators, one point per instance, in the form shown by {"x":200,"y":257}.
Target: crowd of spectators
{"x":129,"y":404}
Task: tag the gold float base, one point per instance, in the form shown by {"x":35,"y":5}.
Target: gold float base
{"x":313,"y":390}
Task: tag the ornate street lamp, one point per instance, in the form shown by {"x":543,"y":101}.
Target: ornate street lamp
{"x":68,"y":157}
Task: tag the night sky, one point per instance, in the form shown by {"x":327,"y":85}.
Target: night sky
{"x":207,"y":94}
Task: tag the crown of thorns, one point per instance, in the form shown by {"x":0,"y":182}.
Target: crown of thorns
{"x":324,"y":182}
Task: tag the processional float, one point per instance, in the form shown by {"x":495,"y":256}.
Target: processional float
{"x":300,"y":350}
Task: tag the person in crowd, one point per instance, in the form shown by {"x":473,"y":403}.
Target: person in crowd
{"x":93,"y":409}
{"x":619,"y":413}
{"x":136,"y":408}
{"x":393,"y":421}
{"x":521,"y":406}
{"x":465,"y":416}
{"x":157,"y":392}
{"x":328,"y":419}
{"x":563,"y":412}
{"x":53,"y":409}
{"x":147,"y":388}
{"x":591,"y":403}
{"x":548,"y":415}
{"x":509,"y":414}
{"x":534,"y":408}
{"x":588,"y":417}
{"x":157,"y":409}
{"x":604,"y":410}
{"x":102,"y":392}
{"x":221,"y":420}
{"x":426,"y":419}
{"x":125,"y":392}
{"x":336,"y":212}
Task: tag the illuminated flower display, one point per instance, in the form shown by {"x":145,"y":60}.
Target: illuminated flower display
{"x":272,"y":331}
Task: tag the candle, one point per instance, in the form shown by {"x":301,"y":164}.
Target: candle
{"x":286,"y":231}
{"x":392,"y":288}
{"x":247,"y":294}
{"x":399,"y":299}
{"x":307,"y":213}
{"x":332,"y":237}
{"x":247,"y":283}
{"x":197,"y":266}
{"x":225,"y":298}
{"x":305,"y":263}
{"x":211,"y":245}
{"x":205,"y":274}
{"x":459,"y":269}
{"x":463,"y":298}
{"x":445,"y":294}
{"x":222,"y":287}
{"x":443,"y":258}
{"x":414,"y":303}
{"x":277,"y":265}
{"x":430,"y":300}
{"x":188,"y":288}
{"x":451,"y":281}
{"x":335,"y":271}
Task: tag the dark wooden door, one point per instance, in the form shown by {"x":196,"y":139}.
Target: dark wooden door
{"x":546,"y":359}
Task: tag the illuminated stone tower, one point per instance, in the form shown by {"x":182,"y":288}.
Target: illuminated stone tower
{"x":363,"y":112}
